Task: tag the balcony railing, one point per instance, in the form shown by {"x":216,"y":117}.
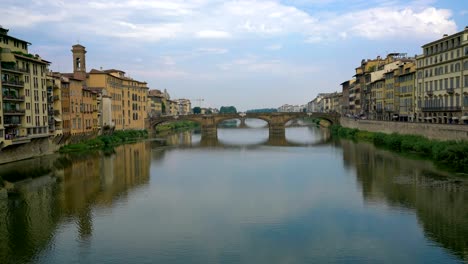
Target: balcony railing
{"x":450,"y":90}
{"x":8,"y":123}
{"x":14,"y":83}
{"x":13,"y":111}
{"x":441,"y":109}
{"x":14,"y":68}
{"x":13,"y":98}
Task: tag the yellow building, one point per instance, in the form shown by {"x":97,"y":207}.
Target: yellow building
{"x":23,"y":115}
{"x":83,"y":103}
{"x":442,"y":80}
{"x":405,"y":93}
{"x":120,"y":101}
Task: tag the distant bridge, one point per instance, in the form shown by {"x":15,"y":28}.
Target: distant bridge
{"x":209,"y":123}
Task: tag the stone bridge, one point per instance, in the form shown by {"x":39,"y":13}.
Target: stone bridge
{"x":209,"y":123}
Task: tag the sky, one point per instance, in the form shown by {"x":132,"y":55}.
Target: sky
{"x":249,"y":54}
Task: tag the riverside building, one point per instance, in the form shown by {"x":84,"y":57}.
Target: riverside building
{"x":442,"y":80}
{"x":24,"y":105}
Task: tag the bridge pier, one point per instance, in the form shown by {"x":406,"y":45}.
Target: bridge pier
{"x":277,"y":130}
{"x":242,"y":123}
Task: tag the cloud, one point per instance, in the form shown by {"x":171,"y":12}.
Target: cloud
{"x":152,"y":21}
{"x":274,"y":47}
{"x":215,"y":51}
{"x":254,"y":64}
{"x":212,"y":34}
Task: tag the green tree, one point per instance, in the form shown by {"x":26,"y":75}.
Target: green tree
{"x":163,"y":108}
{"x":196,"y":110}
{"x":228,"y":110}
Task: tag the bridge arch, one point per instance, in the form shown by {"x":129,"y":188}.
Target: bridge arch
{"x":327,"y":118}
{"x":220,"y":120}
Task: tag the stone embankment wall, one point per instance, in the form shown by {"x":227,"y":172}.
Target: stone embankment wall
{"x":37,"y":147}
{"x":431,"y":131}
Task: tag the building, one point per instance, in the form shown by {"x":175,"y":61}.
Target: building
{"x":154,"y":103}
{"x":119,"y":101}
{"x":23,"y":115}
{"x":184,"y":106}
{"x":54,"y":103}
{"x":404,"y":93}
{"x":442,"y":80}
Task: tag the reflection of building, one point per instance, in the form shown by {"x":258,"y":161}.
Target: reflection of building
{"x":440,"y":204}
{"x":23,"y":98}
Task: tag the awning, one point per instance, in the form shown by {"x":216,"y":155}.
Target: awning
{"x":57,"y":119}
{"x":395,"y":116}
{"x":428,"y":118}
{"x":455,"y":118}
{"x":464,"y":118}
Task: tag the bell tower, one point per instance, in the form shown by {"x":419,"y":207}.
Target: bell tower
{"x":79,"y":61}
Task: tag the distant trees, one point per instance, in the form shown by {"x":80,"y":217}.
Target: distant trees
{"x":228,"y":110}
{"x":196,"y":110}
{"x":263,"y":110}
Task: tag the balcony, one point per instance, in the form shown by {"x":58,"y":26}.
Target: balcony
{"x":13,"y":98}
{"x":430,"y":93}
{"x":13,"y":83}
{"x":11,"y":123}
{"x":56,"y":98}
{"x":441,"y":109}
{"x":11,"y":68}
{"x":450,"y":90}
{"x":56,"y":112}
{"x":13,"y":112}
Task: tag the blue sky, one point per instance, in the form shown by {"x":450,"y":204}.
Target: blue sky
{"x":251,"y":54}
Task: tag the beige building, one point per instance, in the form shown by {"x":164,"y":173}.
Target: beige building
{"x":23,"y":111}
{"x":154,"y":103}
{"x":54,"y":103}
{"x":184,"y":106}
{"x":442,"y":80}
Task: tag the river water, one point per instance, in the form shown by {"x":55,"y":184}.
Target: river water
{"x":239,"y":199}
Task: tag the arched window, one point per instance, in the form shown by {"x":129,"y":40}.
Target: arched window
{"x":78,"y":63}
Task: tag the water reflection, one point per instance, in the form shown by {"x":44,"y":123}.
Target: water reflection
{"x":439,"y":200}
{"x":30,"y":219}
{"x":222,"y":204}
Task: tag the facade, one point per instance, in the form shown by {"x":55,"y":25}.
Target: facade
{"x":23,"y":115}
{"x":154,"y":104}
{"x":119,"y":102}
{"x":184,"y":106}
{"x":442,"y":80}
{"x":54,"y":103}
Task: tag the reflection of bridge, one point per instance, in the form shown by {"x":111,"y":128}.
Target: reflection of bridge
{"x":209,"y":123}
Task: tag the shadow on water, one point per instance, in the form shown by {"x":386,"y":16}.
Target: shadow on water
{"x":31,"y":221}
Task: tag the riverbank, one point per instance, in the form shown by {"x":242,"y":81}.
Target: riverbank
{"x":451,"y":155}
{"x":176,"y":126}
{"x":105,"y":141}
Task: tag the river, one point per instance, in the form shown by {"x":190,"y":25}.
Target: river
{"x":239,"y":199}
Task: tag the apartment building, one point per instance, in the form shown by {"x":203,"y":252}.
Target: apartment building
{"x":24,"y":105}
{"x":442,"y":80}
{"x":154,"y":103}
{"x":54,"y":103}
{"x":184,"y":106}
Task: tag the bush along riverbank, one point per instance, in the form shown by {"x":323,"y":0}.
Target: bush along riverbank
{"x":451,"y":155}
{"x":176,"y":126}
{"x":106,"y":141}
